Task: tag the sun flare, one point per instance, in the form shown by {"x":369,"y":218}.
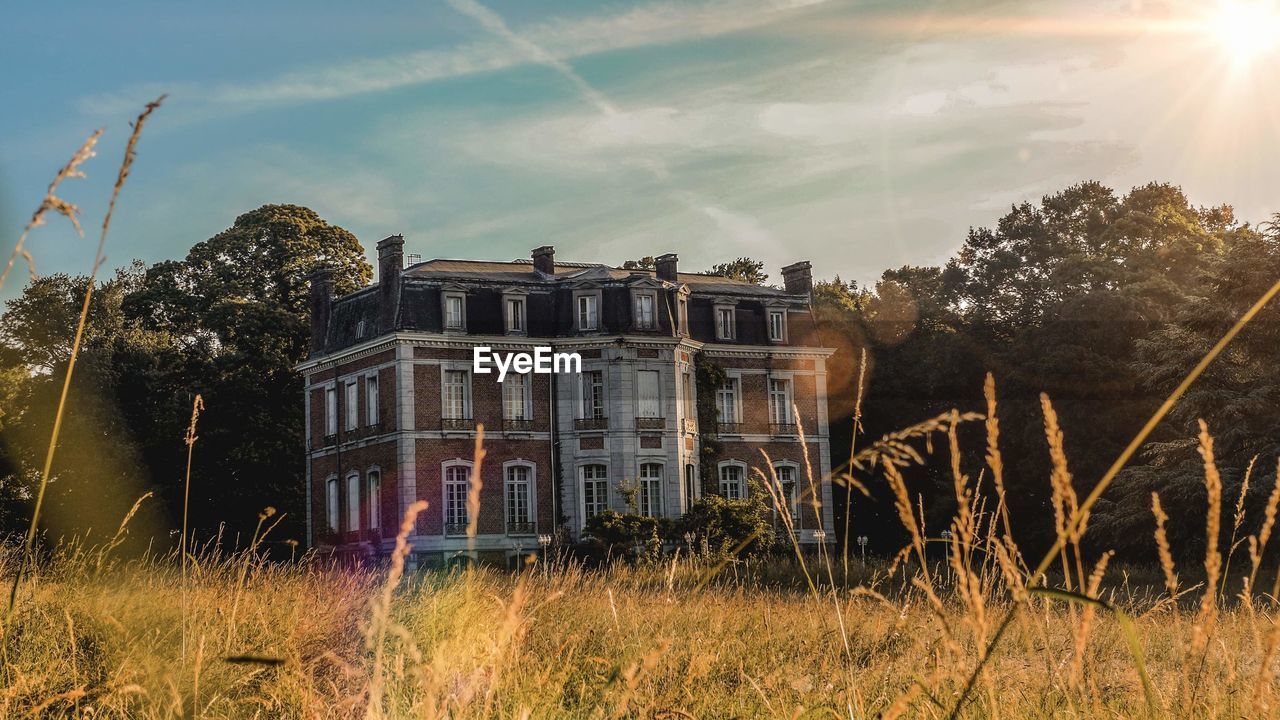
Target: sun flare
{"x":1246,"y":29}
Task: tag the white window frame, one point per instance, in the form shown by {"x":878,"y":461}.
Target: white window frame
{"x":638,"y":321}
{"x":353,"y":501}
{"x":656,"y":410}
{"x":515,"y":313}
{"x":455,"y":515}
{"x":333,"y":509}
{"x":371,"y":416}
{"x":650,"y":490}
{"x":351,"y":404}
{"x":601,"y":504}
{"x":780,"y":404}
{"x":444,"y":393}
{"x":330,"y":410}
{"x":682,"y":311}
{"x":735,"y":383}
{"x":591,"y":321}
{"x":794,"y":468}
{"x":589,"y":413}
{"x":530,"y":481}
{"x":778,"y":332}
{"x":524,"y":382}
{"x":741,"y":481}
{"x":461,"y":297}
{"x":360,"y":329}
{"x":688,"y":393}
{"x":373,"y":487}
{"x":729,"y":330}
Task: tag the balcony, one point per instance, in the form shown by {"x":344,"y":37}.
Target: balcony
{"x":457,"y":424}
{"x":783,"y":429}
{"x":599,"y":423}
{"x":521,"y":528}
{"x":517,"y":425}
{"x":455,"y":529}
{"x":725,"y":428}
{"x":651,"y":423}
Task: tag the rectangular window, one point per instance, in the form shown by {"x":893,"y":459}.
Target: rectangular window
{"x":779,"y":401}
{"x":371,"y":400}
{"x":588,"y":318}
{"x":645,"y":311}
{"x":515,"y":315}
{"x":683,"y":311}
{"x":514,"y":406}
{"x":595,"y":490}
{"x":331,"y":411}
{"x":727,"y":400}
{"x":648,"y":404}
{"x":353,"y":503}
{"x":457,"y":481}
{"x":352,"y":403}
{"x":732,"y":486}
{"x":651,"y":490}
{"x":519,"y":506}
{"x":592,"y":394}
{"x":455,"y":394}
{"x":724,"y":323}
{"x":453,"y":312}
{"x":375,"y":499}
{"x":688,"y":395}
{"x":331,"y":504}
{"x":777,"y":325}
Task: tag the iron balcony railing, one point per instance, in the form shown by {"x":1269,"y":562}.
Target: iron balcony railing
{"x":599,"y":423}
{"x":457,"y":424}
{"x":651,"y":423}
{"x":521,"y":528}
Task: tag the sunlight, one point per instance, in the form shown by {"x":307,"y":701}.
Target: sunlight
{"x":1246,"y":29}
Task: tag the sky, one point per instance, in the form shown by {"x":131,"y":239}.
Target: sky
{"x":860,"y":135}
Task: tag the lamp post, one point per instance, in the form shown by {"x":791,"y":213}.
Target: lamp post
{"x":544,"y":540}
{"x":821,"y":537}
{"x":862,"y":543}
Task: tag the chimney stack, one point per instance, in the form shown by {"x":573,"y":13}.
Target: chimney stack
{"x":666,"y":265}
{"x":321,"y":302}
{"x":544,"y":259}
{"x":797,"y":278}
{"x":390,"y":265}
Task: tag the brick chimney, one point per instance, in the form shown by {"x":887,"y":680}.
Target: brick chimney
{"x":666,"y":265}
{"x":544,"y":259}
{"x":321,"y":302}
{"x":797,"y":278}
{"x":390,"y":265}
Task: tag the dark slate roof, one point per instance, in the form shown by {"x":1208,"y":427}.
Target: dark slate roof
{"x":521,"y":272}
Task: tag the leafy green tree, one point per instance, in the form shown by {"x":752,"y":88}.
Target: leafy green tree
{"x":744,"y":269}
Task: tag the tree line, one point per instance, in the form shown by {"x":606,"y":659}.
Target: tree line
{"x":1101,"y":301}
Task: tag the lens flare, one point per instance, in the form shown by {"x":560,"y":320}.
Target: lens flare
{"x":1246,"y":30}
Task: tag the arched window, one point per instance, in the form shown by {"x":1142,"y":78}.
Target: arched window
{"x":353,"y":502}
{"x":457,"y":484}
{"x":595,"y":490}
{"x":332,"y":516}
{"x":651,"y":489}
{"x":733,"y":480}
{"x":788,"y":474}
{"x":691,"y":489}
{"x":375,"y":498}
{"x":518,"y":492}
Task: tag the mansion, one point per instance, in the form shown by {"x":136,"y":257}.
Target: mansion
{"x":393,"y":402}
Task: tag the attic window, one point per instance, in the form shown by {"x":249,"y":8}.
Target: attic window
{"x":360,"y":329}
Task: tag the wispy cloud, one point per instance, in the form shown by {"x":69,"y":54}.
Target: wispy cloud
{"x":550,"y":43}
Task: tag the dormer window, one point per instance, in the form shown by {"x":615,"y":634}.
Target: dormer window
{"x":360,"y":329}
{"x":515,"y":312}
{"x":455,"y":304}
{"x":587,"y":310}
{"x":725,"y":323}
{"x":777,"y":324}
{"x":645,"y":310}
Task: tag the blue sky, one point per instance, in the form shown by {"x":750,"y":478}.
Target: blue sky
{"x":859,"y":135}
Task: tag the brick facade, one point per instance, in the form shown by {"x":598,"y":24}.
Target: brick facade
{"x":563,"y":450}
